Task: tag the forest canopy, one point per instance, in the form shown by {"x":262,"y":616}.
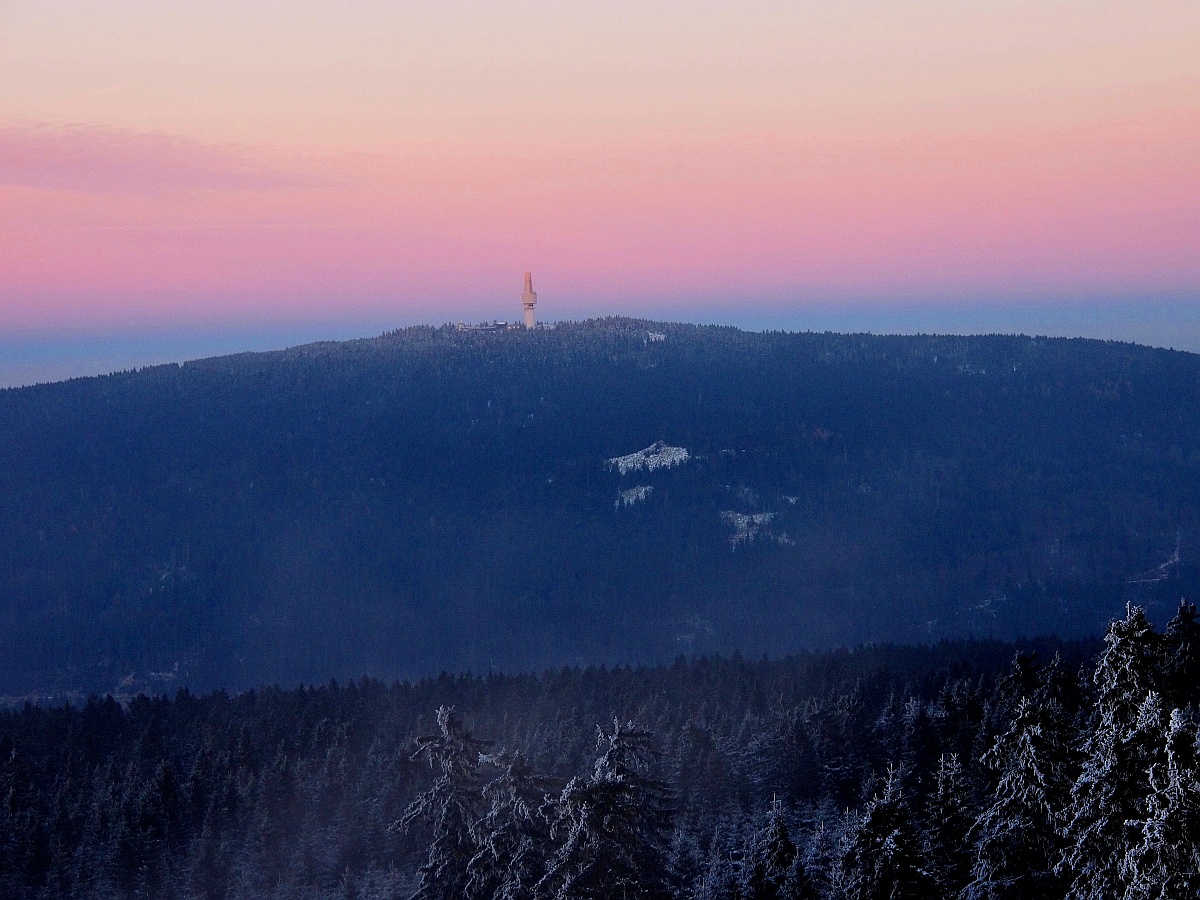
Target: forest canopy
{"x":434,"y":500}
{"x":966,"y":770}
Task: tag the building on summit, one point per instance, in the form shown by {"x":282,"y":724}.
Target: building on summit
{"x":528,"y":300}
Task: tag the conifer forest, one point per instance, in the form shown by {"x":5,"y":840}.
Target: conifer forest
{"x":964,"y":770}
{"x":606,"y":492}
{"x":720,"y":616}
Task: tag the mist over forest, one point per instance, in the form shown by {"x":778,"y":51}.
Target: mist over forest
{"x":605,"y":492}
{"x":968,"y":770}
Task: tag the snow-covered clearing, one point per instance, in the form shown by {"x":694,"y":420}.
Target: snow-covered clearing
{"x":633,"y":495}
{"x":657,"y":456}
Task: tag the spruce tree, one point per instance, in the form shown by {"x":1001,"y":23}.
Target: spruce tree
{"x":513,"y":835}
{"x":799,"y":885}
{"x":450,"y":808}
{"x":948,"y":820}
{"x":1181,"y":676}
{"x":768,"y":860}
{"x":884,"y":858}
{"x":716,"y":876}
{"x":1016,"y":838}
{"x":1110,"y":792}
{"x":614,"y":826}
{"x":719,"y":880}
{"x":1165,"y":864}
{"x":827,"y":844}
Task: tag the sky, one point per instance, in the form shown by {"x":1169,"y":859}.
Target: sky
{"x":188,"y":178}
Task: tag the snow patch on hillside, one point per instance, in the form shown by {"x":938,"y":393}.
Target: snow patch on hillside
{"x":749,"y":527}
{"x":657,"y":456}
{"x":633,"y":495}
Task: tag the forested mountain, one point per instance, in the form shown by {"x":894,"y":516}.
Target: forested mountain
{"x":954,"y":772}
{"x":613,"y":491}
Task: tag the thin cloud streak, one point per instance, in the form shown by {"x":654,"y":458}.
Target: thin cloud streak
{"x":104,"y":160}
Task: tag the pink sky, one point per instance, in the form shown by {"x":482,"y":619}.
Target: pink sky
{"x":204,"y":163}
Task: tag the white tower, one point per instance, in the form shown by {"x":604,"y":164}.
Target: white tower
{"x":528,"y":299}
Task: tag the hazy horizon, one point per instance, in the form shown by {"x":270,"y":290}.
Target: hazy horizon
{"x":278,"y":172}
{"x":34,"y":358}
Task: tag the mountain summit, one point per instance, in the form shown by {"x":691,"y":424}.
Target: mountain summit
{"x":602,"y":492}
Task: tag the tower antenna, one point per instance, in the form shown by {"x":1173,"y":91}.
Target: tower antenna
{"x":528,"y":299}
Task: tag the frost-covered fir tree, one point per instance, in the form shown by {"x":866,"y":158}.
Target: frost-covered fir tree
{"x":449,"y":809}
{"x":772,"y":868}
{"x":1165,"y":864}
{"x":1060,"y":683}
{"x":948,"y":820}
{"x":513,"y":835}
{"x":769,"y":857}
{"x":799,"y":884}
{"x":686,"y":858}
{"x":1016,"y":838}
{"x":827,"y":845}
{"x":1181,"y":676}
{"x":718,"y":877}
{"x":884,"y":858}
{"x":1110,"y":792}
{"x":614,"y":826}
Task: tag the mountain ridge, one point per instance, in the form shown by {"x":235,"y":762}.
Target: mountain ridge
{"x":431,"y":499}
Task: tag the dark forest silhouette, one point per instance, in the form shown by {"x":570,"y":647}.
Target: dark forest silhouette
{"x":432,"y":500}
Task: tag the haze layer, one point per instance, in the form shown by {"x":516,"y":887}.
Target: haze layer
{"x":190,"y":164}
